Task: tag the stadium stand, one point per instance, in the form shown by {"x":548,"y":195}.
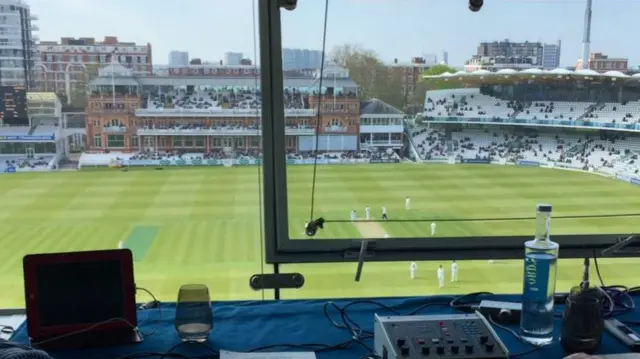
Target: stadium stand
{"x":22,"y":164}
{"x":618,"y":152}
{"x":480,"y":103}
{"x":14,"y":130}
{"x":225,"y":98}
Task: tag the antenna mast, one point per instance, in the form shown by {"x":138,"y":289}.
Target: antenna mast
{"x":586,"y":36}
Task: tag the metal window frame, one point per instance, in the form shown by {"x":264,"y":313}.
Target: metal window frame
{"x":281,"y":249}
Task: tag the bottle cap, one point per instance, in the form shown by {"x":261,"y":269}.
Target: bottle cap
{"x":546,"y":208}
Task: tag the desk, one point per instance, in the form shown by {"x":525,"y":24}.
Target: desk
{"x":245,"y":325}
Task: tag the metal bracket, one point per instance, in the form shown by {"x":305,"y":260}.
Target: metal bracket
{"x":624,"y":246}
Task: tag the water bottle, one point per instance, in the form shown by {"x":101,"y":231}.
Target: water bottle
{"x":539,"y":284}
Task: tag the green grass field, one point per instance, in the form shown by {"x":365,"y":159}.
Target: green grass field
{"x":201,"y":225}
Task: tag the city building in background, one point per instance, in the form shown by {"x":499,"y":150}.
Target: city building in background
{"x":445,"y":57}
{"x":602,"y":63}
{"x":66,"y":67}
{"x":232,"y":58}
{"x":300,"y":59}
{"x":178,"y":58}
{"x":551,"y":55}
{"x":17,"y":44}
{"x":411,"y":72}
{"x":497,"y":55}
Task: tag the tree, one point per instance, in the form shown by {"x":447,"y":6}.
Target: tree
{"x":372,"y":76}
{"x":423,"y":84}
{"x":80,"y":85}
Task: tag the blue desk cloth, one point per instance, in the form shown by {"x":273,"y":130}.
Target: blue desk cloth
{"x":246,"y":325}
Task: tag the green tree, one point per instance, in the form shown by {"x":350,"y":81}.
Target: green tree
{"x":80,"y":85}
{"x":371,"y":75}
{"x":424,"y":84}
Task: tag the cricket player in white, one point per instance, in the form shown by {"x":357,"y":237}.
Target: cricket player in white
{"x":413,"y":269}
{"x":491,"y":261}
{"x":454,"y":272}
{"x":384,"y":213}
{"x":120,"y":244}
{"x":433,"y":229}
{"x":305,"y":227}
{"x":386,"y":235}
{"x":407,"y":203}
{"x":367,"y":213}
{"x":440,"y":277}
{"x":353,"y":215}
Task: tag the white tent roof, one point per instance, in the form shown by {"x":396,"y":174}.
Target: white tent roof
{"x":554,"y":72}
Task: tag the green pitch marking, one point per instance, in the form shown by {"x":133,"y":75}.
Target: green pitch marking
{"x":140,"y":240}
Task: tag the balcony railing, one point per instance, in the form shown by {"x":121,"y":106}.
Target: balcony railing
{"x":220,"y":132}
{"x":115,"y":129}
{"x":216,"y":112}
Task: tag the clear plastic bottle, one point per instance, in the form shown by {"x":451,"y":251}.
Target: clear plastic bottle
{"x":539,"y":284}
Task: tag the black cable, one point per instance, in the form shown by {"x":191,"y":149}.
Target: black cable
{"x":461,"y":303}
{"x":318,"y":108}
{"x":586,"y":216}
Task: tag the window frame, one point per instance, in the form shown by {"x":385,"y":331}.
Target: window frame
{"x":281,"y":249}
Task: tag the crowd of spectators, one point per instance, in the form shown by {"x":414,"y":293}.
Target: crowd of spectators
{"x":221,"y":98}
{"x":222,"y":126}
{"x":579,"y":150}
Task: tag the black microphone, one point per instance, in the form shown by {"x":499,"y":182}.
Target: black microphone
{"x":312,"y":227}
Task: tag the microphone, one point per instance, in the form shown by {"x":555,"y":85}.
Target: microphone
{"x":584,"y":285}
{"x":312,"y":227}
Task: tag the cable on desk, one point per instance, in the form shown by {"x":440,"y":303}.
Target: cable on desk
{"x":517,"y":336}
{"x":619,"y":300}
{"x":467,"y":303}
{"x":155,"y":303}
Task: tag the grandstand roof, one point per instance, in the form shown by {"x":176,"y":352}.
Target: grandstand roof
{"x":509,"y":75}
{"x":378,"y":107}
{"x":41,"y":96}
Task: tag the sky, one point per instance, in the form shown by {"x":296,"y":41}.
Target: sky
{"x":395,"y":29}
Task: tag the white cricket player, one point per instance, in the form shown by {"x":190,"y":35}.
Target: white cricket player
{"x":386,"y":235}
{"x":491,"y":261}
{"x":440,"y":277}
{"x":454,"y":271}
{"x":407,"y":203}
{"x":367,"y":213}
{"x":353,"y":215}
{"x":120,"y":244}
{"x":304,"y":231}
{"x":433,"y":229}
{"x":413,"y":269}
{"x":384,"y":213}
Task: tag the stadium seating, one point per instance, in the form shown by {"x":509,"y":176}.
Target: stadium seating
{"x":22,"y":164}
{"x":472,"y":103}
{"x":14,"y":130}
{"x":225,"y":98}
{"x":44,"y":130}
{"x":579,"y":151}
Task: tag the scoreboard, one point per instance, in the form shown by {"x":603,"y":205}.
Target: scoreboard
{"x":13,"y":106}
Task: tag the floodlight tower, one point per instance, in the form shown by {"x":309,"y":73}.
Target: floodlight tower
{"x":586,"y":36}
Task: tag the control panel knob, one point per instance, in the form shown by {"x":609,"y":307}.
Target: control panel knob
{"x":425,"y":350}
{"x":404,"y":351}
{"x":468,"y":348}
{"x":440,"y":349}
{"x":489,"y":347}
{"x":401,"y":342}
{"x":483,"y":339}
{"x":454,"y":349}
